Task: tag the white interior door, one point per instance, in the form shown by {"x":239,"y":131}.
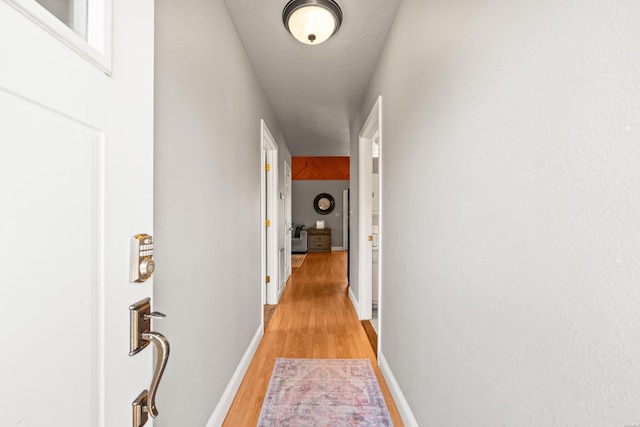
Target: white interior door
{"x":269,"y":214}
{"x":76,"y":171}
{"x":371,"y":128}
{"x":375,"y":221}
{"x":365,"y":230}
{"x":287,"y":220}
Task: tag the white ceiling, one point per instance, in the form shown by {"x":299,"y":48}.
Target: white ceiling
{"x":314,"y":90}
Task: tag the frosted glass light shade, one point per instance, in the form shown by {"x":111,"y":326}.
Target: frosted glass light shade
{"x":312,"y":21}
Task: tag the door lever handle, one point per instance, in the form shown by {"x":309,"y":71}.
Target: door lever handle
{"x":162,"y":347}
{"x":155,"y":315}
{"x":141,"y":335}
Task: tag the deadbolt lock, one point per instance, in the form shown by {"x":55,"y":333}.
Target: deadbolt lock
{"x":142,"y":265}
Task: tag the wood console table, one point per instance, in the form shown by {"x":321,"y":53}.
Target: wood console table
{"x":319,"y":239}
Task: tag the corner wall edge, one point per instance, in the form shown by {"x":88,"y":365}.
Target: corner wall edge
{"x":396,"y":392}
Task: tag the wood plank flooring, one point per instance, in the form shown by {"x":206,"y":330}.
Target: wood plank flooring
{"x":372,"y":335}
{"x":314,"y":319}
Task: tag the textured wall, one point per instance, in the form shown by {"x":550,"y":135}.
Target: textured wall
{"x":511,"y":143}
{"x":207,"y":203}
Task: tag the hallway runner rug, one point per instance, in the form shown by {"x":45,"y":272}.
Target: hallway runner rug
{"x":297,"y":260}
{"x":323,"y":393}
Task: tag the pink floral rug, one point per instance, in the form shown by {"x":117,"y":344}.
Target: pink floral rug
{"x":323,"y":392}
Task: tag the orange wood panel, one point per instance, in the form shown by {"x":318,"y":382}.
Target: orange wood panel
{"x":320,"y":168}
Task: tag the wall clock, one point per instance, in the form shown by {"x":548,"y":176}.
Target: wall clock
{"x":324,"y":203}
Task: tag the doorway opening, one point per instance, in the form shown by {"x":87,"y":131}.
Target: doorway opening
{"x":375,"y":229}
{"x":269,"y":281}
{"x":370,"y":248}
{"x":288,"y":227}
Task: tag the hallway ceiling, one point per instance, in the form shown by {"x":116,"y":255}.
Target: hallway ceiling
{"x":314,"y":90}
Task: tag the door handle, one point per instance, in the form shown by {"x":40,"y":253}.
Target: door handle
{"x":141,"y":335}
{"x":162,"y":347}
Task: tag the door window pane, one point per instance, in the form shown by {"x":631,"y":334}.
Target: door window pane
{"x":73,"y":13}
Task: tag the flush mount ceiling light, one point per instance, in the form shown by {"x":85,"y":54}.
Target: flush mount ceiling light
{"x":312,"y":21}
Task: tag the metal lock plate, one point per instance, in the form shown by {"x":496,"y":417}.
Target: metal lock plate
{"x":140,"y":313}
{"x":140,"y":336}
{"x":140,"y":414}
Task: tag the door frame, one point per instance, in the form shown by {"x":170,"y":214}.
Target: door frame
{"x":287,"y":222}
{"x":269,"y":211}
{"x":372,"y":125}
{"x":345,"y":220}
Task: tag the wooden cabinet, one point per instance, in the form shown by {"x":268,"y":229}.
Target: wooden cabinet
{"x":319,"y":239}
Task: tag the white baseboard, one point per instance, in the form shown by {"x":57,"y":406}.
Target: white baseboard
{"x":398,"y":397}
{"x":337,"y":249}
{"x":354,"y":301}
{"x":281,"y":291}
{"x":220,"y":412}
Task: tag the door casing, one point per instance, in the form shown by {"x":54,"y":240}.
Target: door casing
{"x":287,"y":223}
{"x":371,"y":127}
{"x":269,"y":211}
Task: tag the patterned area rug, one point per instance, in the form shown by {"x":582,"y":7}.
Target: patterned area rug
{"x":297,"y":260}
{"x":323,"y":393}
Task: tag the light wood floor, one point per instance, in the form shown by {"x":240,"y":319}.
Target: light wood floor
{"x":314,"y":319}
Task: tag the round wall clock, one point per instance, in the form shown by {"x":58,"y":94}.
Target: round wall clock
{"x":324,"y":203}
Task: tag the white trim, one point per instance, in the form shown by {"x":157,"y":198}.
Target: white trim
{"x":273,"y":255}
{"x":222,"y":408}
{"x":381,"y":258}
{"x":354,"y":300}
{"x":270,"y":257}
{"x":372,"y":125}
{"x":96,"y":50}
{"x":80,"y":18}
{"x":282,"y":273}
{"x":99,"y":30}
{"x":288,"y":188}
{"x":345,"y":219}
{"x":280,"y":292}
{"x":396,"y":392}
{"x":263,"y":235}
{"x":101,"y":197}
{"x":337,"y":249}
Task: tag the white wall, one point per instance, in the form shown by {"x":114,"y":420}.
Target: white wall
{"x":207,"y":204}
{"x":511,"y":150}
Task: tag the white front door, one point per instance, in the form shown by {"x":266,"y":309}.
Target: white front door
{"x":76,"y":181}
